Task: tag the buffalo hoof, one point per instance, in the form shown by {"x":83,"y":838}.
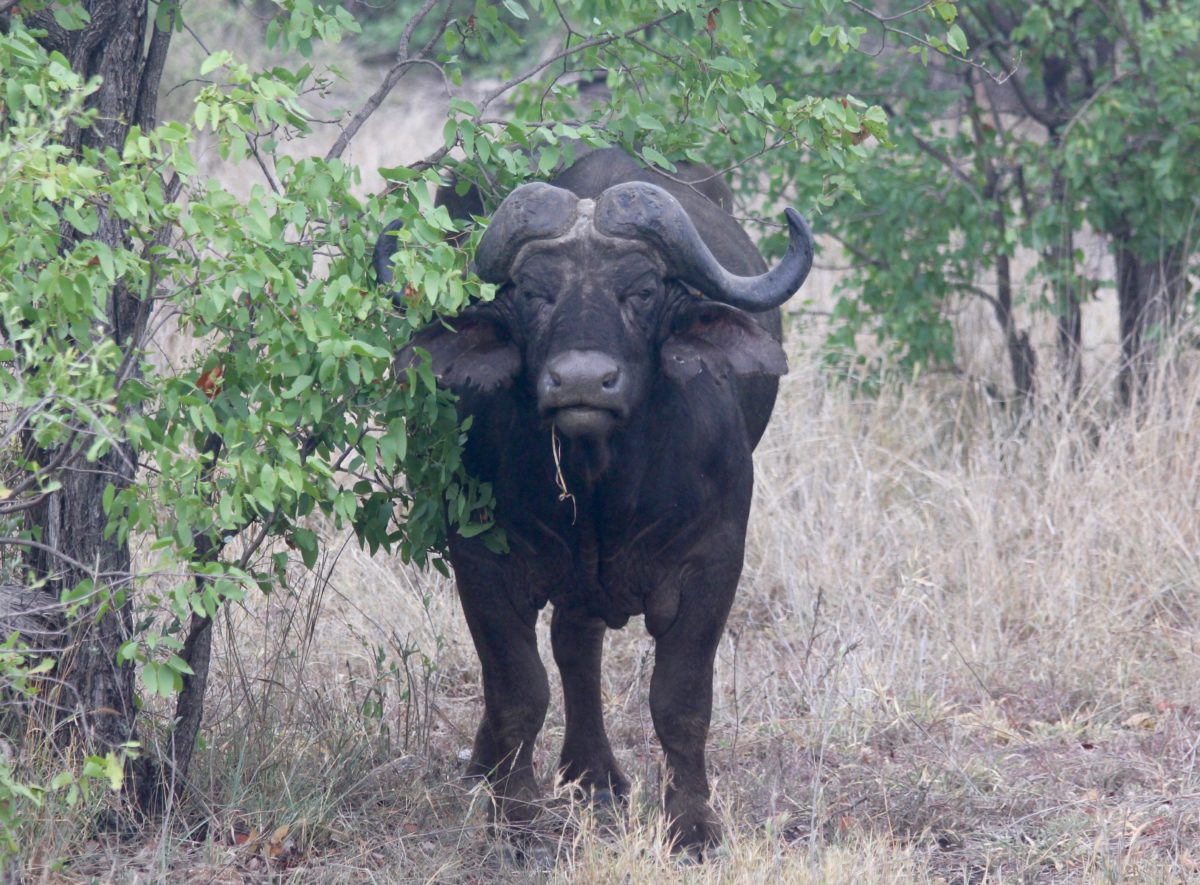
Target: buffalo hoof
{"x":515,"y":799}
{"x":693,"y":827}
{"x":516,"y":810}
{"x":613,"y":800}
{"x":526,"y":852}
{"x":610,"y":797}
{"x":596,"y":775}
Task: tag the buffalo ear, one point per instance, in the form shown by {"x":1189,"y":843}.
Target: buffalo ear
{"x":477,"y":354}
{"x":721,"y":339}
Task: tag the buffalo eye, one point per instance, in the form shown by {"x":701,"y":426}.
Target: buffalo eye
{"x":537,"y":294}
{"x":641,"y":291}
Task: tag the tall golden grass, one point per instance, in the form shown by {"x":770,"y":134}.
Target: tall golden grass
{"x":964,"y":650}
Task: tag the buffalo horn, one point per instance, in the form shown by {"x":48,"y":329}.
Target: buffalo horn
{"x":642,"y":211}
{"x":536,"y":211}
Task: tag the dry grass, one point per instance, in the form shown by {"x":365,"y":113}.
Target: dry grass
{"x":965,"y":650}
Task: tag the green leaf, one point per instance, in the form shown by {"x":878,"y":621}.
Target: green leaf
{"x":657,"y":159}
{"x":180,"y":666}
{"x":218,"y":59}
{"x":62,"y":779}
{"x":957,"y":39}
{"x":71,"y":16}
{"x":645,"y":121}
{"x":150,"y":677}
{"x":516,"y":9}
{"x":114,"y":770}
{"x":299,"y":386}
{"x":306,"y":542}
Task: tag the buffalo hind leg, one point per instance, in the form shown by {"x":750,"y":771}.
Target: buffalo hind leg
{"x":587,"y":757}
{"x":516,"y":694}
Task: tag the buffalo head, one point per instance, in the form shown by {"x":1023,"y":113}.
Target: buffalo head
{"x":598,"y":298}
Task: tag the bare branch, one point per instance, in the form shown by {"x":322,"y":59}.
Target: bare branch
{"x":885,"y":19}
{"x":518,"y":79}
{"x":62,"y":557}
{"x":262,"y":164}
{"x":21,"y":419}
{"x":402,"y":66}
{"x":1091,"y":99}
{"x":886,"y":24}
{"x":979,"y":292}
{"x":858,"y":252}
{"x":63,"y":459}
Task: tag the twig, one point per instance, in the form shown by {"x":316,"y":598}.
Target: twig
{"x":58,"y":554}
{"x":66,"y":455}
{"x":436,"y":157}
{"x":262,"y":164}
{"x":393,"y":76}
{"x":196,"y":37}
{"x":1078,"y":115}
{"x":559,"y":479}
{"x":885,"y":22}
{"x":518,"y":79}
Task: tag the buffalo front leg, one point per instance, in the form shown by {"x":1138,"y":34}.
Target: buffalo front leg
{"x":681,"y":706}
{"x":515,"y":691}
{"x":587,"y":757}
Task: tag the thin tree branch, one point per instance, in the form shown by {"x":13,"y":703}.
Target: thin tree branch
{"x":436,"y":156}
{"x":62,"y":557}
{"x":945,"y":159}
{"x":518,"y":79}
{"x":885,"y":22}
{"x":1091,"y":99}
{"x":979,"y":292}
{"x":393,"y":76}
{"x":861,"y":254}
{"x":63,"y":459}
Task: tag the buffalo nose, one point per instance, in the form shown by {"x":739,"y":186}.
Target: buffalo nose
{"x":581,"y":378}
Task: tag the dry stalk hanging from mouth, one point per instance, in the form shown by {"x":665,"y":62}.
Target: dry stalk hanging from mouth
{"x":559,"y":479}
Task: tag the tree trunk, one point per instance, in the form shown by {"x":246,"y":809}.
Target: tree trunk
{"x":1149,"y":297}
{"x":1060,"y":257}
{"x":1070,"y":341}
{"x":96,"y":693}
{"x":96,"y":697}
{"x":1021,"y":357}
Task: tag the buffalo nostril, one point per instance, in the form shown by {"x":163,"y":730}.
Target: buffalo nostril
{"x":584,"y":378}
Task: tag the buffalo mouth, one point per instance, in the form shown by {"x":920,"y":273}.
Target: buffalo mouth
{"x":588,"y":422}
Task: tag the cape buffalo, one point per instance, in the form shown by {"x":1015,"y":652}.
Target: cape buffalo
{"x":618,"y":383}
